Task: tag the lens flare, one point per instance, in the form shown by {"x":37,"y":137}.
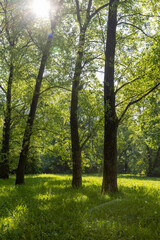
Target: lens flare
{"x":41,"y":8}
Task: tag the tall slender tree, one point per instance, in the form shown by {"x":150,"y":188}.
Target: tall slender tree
{"x":76,"y":147}
{"x":4,"y":164}
{"x":29,"y":126}
{"x":9,"y":39}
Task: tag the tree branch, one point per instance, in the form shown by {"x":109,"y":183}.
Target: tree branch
{"x":137,"y":100}
{"x":88,"y":10}
{"x":98,"y":10}
{"x":91,"y":59}
{"x":143,"y":15}
{"x":30,"y":35}
{"x":3,"y":89}
{"x":128,"y":83}
{"x":103,"y":37}
{"x":130,"y":24}
{"x":91,"y":133}
{"x":54,"y":87}
{"x":78,"y":13}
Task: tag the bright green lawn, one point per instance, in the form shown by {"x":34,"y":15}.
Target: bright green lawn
{"x":46,"y":207}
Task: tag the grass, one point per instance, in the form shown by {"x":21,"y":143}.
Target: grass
{"x":46,"y":207}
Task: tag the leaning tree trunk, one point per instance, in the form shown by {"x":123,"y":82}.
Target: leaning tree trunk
{"x":4,"y":163}
{"x":31,"y":117}
{"x":111,"y":123}
{"x":33,"y":107}
{"x":76,"y":149}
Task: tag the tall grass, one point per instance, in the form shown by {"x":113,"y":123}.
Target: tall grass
{"x":46,"y":207}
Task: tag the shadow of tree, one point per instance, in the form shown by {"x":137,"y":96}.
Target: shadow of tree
{"x":48,"y":208}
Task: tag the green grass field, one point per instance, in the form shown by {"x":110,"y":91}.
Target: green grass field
{"x":46,"y":207}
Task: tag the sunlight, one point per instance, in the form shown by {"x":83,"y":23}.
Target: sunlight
{"x":41,"y":8}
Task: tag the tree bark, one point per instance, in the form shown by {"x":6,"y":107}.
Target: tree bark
{"x":4,"y":164}
{"x":157,"y":159}
{"x":150,"y":167}
{"x":76,"y":149}
{"x":126,"y":168}
{"x":31,"y":117}
{"x":111,"y":122}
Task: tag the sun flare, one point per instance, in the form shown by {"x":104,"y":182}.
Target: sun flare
{"x":41,"y":8}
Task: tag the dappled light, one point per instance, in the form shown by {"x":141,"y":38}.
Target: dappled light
{"x":80,"y":198}
{"x":41,"y":209}
{"x":79,"y":120}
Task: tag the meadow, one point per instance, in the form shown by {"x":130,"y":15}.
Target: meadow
{"x":46,"y":207}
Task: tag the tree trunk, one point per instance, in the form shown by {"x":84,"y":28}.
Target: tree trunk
{"x":111,"y":123}
{"x":126,"y":165}
{"x":4,"y":164}
{"x":76,"y":149}
{"x":31,"y":116}
{"x":157,"y":159}
{"x":150,"y":167}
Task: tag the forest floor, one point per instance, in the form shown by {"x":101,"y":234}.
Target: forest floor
{"x":46,"y":207}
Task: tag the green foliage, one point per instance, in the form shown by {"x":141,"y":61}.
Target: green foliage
{"x":48,"y":208}
{"x":137,"y":56}
{"x":138,"y":138}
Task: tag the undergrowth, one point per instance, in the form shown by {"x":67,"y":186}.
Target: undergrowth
{"x":46,"y":207}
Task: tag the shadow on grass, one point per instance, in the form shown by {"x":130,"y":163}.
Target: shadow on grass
{"x":48,"y":208}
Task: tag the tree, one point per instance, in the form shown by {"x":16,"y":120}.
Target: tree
{"x":76,"y":87}
{"x":125,"y":144}
{"x":33,"y":107}
{"x":111,"y":121}
{"x":149,"y":128}
{"x":11,"y":43}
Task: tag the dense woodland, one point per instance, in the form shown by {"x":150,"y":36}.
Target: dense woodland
{"x":79,"y":90}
